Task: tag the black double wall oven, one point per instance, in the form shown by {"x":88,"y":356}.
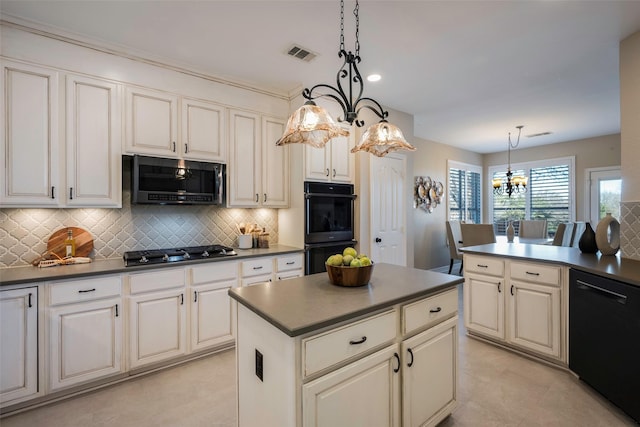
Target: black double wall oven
{"x":329,"y":222}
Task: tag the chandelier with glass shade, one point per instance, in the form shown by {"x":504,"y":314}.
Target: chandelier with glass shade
{"x":312,"y":124}
{"x":512,"y":184}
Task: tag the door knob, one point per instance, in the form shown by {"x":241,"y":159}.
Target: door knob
{"x":378,"y":240}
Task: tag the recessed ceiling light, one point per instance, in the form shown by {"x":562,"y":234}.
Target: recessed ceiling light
{"x":374,"y":77}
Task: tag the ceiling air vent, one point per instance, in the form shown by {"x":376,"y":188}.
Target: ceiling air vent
{"x":301,"y":53}
{"x":533,"y":135}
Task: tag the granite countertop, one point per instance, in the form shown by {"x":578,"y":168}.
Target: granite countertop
{"x":30,"y":274}
{"x":614,"y":267}
{"x":301,"y":305}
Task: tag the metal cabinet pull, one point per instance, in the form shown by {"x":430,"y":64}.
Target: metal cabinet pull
{"x":174,"y":146}
{"x":186,"y":147}
{"x":483,"y":266}
{"x":334,"y":173}
{"x":410,"y":354}
{"x":117,"y":310}
{"x":378,"y":240}
{"x":181,"y":299}
{"x":257,"y":198}
{"x":195,"y":296}
{"x":499,"y":288}
{"x":30,"y":294}
{"x":257,"y":268}
{"x":533,"y":274}
{"x":360,"y":341}
{"x":291,"y":262}
{"x":84,"y":291}
{"x":265,"y":197}
{"x":435,"y":310}
{"x":327,"y":172}
{"x":53,"y":192}
{"x":395,"y":370}
{"x":511,"y":289}
{"x":70,"y":193}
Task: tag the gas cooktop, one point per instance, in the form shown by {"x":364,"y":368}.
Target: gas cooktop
{"x":166,"y":256}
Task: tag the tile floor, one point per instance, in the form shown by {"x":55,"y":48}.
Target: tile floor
{"x":495,"y":388}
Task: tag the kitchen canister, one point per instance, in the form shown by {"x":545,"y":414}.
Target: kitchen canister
{"x":245,"y":241}
{"x":608,"y":235}
{"x":587,"y":242}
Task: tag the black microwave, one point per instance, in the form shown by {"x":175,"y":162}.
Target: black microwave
{"x":177,"y":182}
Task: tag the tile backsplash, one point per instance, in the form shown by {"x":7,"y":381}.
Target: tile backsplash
{"x":630,"y":229}
{"x":24,"y":232}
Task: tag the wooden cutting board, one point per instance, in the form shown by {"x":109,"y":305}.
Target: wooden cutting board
{"x":84,"y":242}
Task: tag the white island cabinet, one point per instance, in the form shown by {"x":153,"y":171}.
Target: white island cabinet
{"x":384,"y":354}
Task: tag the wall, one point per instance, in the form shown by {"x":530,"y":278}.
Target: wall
{"x":24,"y":232}
{"x":429,"y":230}
{"x":630,"y":130}
{"x":589,"y":153}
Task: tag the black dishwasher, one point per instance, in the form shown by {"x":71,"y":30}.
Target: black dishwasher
{"x":604,"y":337}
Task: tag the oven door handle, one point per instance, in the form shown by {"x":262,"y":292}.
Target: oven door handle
{"x":333,"y":196}
{"x":619,"y":298}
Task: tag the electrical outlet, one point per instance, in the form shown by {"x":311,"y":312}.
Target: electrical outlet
{"x":259,"y":365}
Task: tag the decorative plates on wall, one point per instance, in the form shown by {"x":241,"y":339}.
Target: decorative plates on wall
{"x":427,"y":193}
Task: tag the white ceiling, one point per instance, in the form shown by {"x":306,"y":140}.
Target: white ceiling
{"x":469,"y":71}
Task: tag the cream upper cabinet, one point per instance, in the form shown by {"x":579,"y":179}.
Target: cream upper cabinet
{"x":333,"y":163}
{"x":30,"y":141}
{"x":203,"y":130}
{"x":19,"y":349}
{"x":258,"y":169}
{"x":151,"y":122}
{"x":94,"y":143}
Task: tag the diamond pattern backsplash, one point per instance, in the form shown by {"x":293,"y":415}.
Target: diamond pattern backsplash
{"x":24,"y":232}
{"x":630,"y":229}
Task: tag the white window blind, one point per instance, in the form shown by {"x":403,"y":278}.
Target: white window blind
{"x":464,"y":195}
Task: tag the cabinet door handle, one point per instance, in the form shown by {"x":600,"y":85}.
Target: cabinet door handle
{"x":84,"y":291}
{"x":511,"y":289}
{"x":482,"y":266}
{"x":70,"y":193}
{"x":334,"y":173}
{"x":53,"y":192}
{"x":327,"y":172}
{"x":186,"y":147}
{"x":257,"y":268}
{"x":532,"y":273}
{"x":360,"y":341}
{"x":499,"y":288}
{"x":257,"y":199}
{"x":265,"y":197}
{"x":30,"y":295}
{"x":195,"y":296}
{"x":174,"y":146}
{"x":395,"y":370}
{"x":117,"y":310}
{"x":410,"y":354}
{"x":291,"y":262}
{"x":435,"y":310}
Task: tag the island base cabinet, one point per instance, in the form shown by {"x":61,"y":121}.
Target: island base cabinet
{"x":429,"y":375}
{"x":484,"y":305}
{"x":19,"y":344}
{"x":364,"y":393}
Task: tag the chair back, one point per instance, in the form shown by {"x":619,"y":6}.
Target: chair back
{"x":477,"y":234}
{"x":536,"y":228}
{"x":559,"y":236}
{"x":577,"y":232}
{"x":569,"y":232}
{"x":454,"y":236}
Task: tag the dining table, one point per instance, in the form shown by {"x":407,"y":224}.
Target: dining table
{"x":526,"y":240}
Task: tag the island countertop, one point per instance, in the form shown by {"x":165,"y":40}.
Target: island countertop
{"x":614,"y":267}
{"x":304,"y":304}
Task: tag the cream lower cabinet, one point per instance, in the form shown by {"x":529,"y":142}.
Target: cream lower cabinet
{"x":211,"y":307}
{"x":484,"y":295}
{"x":157,"y":316}
{"x":289,"y":266}
{"x":85,"y":330}
{"x":19,"y":344}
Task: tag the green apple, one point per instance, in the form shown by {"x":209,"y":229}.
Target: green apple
{"x":360,"y":256}
{"x":337,"y":259}
{"x":355,"y":263}
{"x":350,"y":251}
{"x":347,"y":259}
{"x":365,"y":261}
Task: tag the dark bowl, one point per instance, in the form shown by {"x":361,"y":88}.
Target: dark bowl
{"x":349,"y":276}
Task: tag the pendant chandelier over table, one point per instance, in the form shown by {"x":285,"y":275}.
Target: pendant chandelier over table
{"x":312,"y":124}
{"x":512,"y":184}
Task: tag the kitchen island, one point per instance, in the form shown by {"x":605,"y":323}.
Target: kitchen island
{"x":313,"y":354}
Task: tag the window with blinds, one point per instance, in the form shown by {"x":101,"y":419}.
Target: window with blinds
{"x":550,"y":194}
{"x":465,"y":185}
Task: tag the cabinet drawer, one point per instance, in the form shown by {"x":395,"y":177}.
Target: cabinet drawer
{"x":324,"y":350}
{"x":156,"y":280}
{"x":293,"y":262}
{"x":536,"y":273}
{"x":84,"y":290}
{"x":486,"y":265}
{"x":257,"y":266}
{"x":429,"y":311}
{"x":257,"y":280}
{"x":289,"y":275}
{"x":214,"y":272}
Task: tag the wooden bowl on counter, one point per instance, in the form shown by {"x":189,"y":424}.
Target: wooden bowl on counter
{"x":349,"y":276}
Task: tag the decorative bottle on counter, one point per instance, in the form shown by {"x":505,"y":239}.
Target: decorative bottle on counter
{"x":587,"y":242}
{"x":608,"y":241}
{"x":70,"y":244}
{"x":264,"y":238}
{"x":510,"y":232}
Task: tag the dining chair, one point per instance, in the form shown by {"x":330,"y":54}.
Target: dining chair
{"x":477,"y":234}
{"x":579,"y":228}
{"x":454,"y":237}
{"x":569,"y":232}
{"x":558,"y":238}
{"x":533,"y":228}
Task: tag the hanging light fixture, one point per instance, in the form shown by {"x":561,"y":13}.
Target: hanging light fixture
{"x":513,"y":184}
{"x":313,"y":125}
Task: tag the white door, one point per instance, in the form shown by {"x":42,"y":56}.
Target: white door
{"x":157,"y":327}
{"x":605,"y":191}
{"x":484,"y":305}
{"x":93,"y":143}
{"x":534,"y":317}
{"x":211,"y":315}
{"x":365,"y":393}
{"x":19,"y":343}
{"x":245,"y":159}
{"x":86,"y":342}
{"x":275,"y":165}
{"x":30,"y":144}
{"x":203,"y":131}
{"x":388,"y":209}
{"x":429,"y":368}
